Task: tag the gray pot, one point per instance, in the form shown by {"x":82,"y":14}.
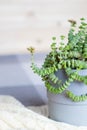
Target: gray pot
{"x":63,"y":109}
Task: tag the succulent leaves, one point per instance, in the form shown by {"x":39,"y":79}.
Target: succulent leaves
{"x":67,"y":57}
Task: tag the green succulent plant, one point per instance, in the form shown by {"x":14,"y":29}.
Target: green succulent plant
{"x":67,"y":57}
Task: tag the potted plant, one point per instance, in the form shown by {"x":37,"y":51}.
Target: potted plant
{"x":64,"y":73}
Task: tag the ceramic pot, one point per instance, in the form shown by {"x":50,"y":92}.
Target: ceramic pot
{"x":63,"y":109}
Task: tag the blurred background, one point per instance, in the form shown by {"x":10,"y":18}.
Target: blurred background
{"x":25,"y":23}
{"x":34,"y":22}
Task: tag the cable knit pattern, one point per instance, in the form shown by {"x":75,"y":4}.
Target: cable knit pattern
{"x":14,"y":116}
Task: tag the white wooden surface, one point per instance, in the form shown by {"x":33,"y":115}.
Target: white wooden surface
{"x":26,"y":23}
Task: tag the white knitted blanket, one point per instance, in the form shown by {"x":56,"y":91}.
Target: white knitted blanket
{"x":14,"y":116}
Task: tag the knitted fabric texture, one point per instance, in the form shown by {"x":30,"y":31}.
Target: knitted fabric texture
{"x":14,"y":116}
